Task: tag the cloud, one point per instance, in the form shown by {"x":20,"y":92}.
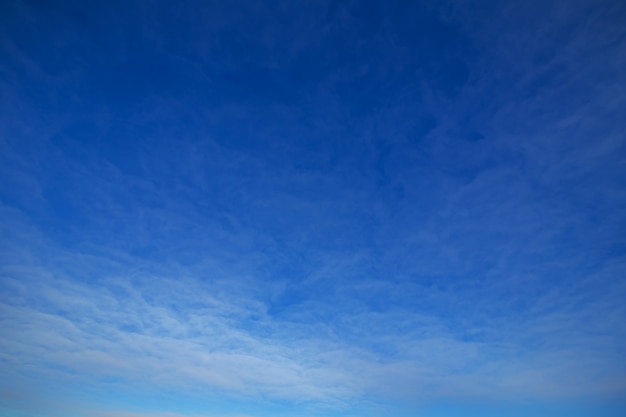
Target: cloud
{"x":172,"y":332}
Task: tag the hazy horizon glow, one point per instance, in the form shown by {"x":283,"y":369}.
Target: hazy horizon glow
{"x":313,"y":209}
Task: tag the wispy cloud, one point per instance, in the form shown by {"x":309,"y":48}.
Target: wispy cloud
{"x":175,"y":332}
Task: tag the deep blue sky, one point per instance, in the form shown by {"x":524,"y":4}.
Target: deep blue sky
{"x":313,"y":208}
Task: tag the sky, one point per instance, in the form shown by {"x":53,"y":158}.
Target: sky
{"x":313,"y":208}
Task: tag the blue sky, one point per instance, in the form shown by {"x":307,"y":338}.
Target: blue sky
{"x":312,"y":208}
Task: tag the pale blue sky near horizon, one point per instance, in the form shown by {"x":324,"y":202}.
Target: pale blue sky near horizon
{"x":313,"y":208}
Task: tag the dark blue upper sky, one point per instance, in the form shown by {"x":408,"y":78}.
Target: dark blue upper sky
{"x":312,"y":208}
